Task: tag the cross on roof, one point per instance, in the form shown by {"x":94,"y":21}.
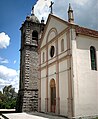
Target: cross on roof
{"x":51,"y":6}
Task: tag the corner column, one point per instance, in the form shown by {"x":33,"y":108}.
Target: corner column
{"x":46,"y":99}
{"x":57,"y":83}
{"x":39,"y":84}
{"x":70,"y":98}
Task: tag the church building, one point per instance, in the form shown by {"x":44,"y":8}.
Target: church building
{"x":58,"y":67}
{"x":68,"y":69}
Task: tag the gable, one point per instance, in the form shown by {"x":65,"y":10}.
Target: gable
{"x":53,"y":27}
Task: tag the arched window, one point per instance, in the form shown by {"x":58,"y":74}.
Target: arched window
{"x":93,"y":58}
{"x":43,"y":57}
{"x":35,"y":36}
{"x":62,"y":45}
{"x":52,"y":51}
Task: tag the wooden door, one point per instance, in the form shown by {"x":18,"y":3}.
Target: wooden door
{"x":53,"y":95}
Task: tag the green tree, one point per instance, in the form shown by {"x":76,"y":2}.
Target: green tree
{"x":8,"y":97}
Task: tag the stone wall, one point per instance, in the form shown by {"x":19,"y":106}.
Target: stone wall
{"x":27,"y":101}
{"x":28,"y":90}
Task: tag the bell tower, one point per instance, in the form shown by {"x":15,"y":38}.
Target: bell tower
{"x":28,"y":88}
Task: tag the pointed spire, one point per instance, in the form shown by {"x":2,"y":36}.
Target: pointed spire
{"x":32,"y":13}
{"x":42,"y":21}
{"x":70,"y":14}
{"x":70,"y":7}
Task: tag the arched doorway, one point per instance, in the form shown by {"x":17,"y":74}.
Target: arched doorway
{"x":53,"y":95}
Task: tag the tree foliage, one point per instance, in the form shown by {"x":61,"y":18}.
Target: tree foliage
{"x":8,"y":98}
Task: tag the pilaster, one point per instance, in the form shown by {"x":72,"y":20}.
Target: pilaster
{"x":69,"y":60}
{"x":57,"y":83}
{"x":46,"y":99}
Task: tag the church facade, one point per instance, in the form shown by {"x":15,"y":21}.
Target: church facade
{"x":68,"y":83}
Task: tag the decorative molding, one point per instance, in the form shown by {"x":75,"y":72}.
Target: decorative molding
{"x":50,"y":31}
{"x":56,"y":37}
{"x":59,"y":59}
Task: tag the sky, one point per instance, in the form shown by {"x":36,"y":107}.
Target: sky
{"x":12,"y":15}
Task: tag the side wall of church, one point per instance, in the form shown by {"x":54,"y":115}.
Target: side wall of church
{"x":86,"y":79}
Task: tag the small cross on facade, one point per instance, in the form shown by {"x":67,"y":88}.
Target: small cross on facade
{"x":51,"y":7}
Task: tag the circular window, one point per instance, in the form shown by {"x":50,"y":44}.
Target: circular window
{"x":52,"y":50}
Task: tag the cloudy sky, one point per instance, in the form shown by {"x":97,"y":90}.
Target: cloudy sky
{"x":14,"y":12}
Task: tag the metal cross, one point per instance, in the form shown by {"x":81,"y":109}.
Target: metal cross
{"x":51,"y":7}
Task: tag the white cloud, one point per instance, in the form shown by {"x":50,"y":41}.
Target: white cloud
{"x":3,"y":60}
{"x":80,"y":2}
{"x":42,"y":8}
{"x":9,"y":76}
{"x":14,"y":61}
{"x":4,"y":40}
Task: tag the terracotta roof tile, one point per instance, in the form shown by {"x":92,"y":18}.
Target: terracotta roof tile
{"x":86,"y":31}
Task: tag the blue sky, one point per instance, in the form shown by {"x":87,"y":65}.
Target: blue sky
{"x":14,"y":12}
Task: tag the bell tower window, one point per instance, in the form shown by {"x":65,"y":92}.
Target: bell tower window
{"x":35,"y":37}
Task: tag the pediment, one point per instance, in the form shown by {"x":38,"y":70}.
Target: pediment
{"x":54,"y":26}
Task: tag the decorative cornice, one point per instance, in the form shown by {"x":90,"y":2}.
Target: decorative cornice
{"x":86,"y":31}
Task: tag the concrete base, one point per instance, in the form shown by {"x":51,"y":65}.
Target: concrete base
{"x":33,"y":115}
{"x":21,"y":116}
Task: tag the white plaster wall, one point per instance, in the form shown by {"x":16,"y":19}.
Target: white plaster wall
{"x":86,"y":82}
{"x":43,"y":91}
{"x":52,"y":72}
{"x":63,"y":87}
{"x":53,"y":23}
